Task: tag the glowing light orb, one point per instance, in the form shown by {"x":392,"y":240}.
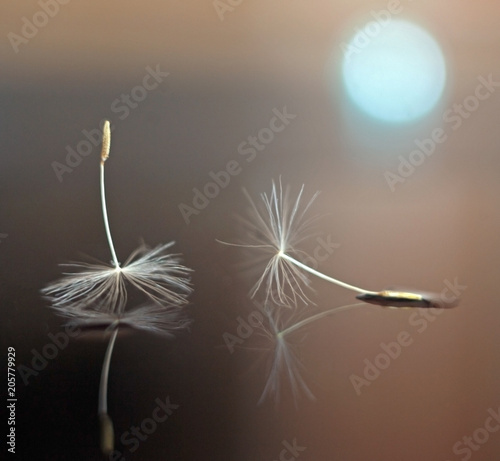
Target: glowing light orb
{"x":395,"y":71}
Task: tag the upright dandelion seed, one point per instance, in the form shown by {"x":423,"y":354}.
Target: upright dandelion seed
{"x":95,"y":295}
{"x":154,"y":272}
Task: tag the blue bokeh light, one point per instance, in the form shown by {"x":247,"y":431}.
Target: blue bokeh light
{"x":394,"y":72}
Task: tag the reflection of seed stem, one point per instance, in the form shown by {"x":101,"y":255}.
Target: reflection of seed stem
{"x":323,"y":276}
{"x":315,"y":317}
{"x":106,"y":143}
{"x":107,"y":435}
{"x":103,"y":388}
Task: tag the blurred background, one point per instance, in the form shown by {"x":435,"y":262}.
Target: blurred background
{"x":389,"y":108}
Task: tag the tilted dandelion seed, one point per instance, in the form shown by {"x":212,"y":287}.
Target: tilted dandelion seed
{"x":95,"y":295}
{"x":276,"y":227}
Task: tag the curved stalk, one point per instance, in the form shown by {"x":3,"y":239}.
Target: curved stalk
{"x":325,"y":277}
{"x":106,"y":143}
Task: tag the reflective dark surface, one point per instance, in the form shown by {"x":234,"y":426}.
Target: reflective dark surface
{"x":438,"y":230}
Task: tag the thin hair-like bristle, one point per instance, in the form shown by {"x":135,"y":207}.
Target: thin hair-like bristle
{"x":106,"y":141}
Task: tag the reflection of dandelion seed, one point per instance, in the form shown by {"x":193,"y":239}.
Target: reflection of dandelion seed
{"x":165,"y":320}
{"x":276,"y":227}
{"x":283,"y":323}
{"x":285,"y":364}
{"x":96,"y":295}
{"x":152,"y":318}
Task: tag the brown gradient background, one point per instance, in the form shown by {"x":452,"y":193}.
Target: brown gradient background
{"x":225,"y":79}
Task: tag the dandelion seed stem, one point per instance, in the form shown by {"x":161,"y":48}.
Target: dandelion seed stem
{"x":315,"y":317}
{"x":103,"y":387}
{"x":323,"y":276}
{"x":106,"y":142}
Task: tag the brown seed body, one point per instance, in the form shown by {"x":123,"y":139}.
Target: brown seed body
{"x":402,"y":299}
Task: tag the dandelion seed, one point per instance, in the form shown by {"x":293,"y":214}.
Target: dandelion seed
{"x":277,"y":227}
{"x":157,"y":274}
{"x":95,"y":295}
